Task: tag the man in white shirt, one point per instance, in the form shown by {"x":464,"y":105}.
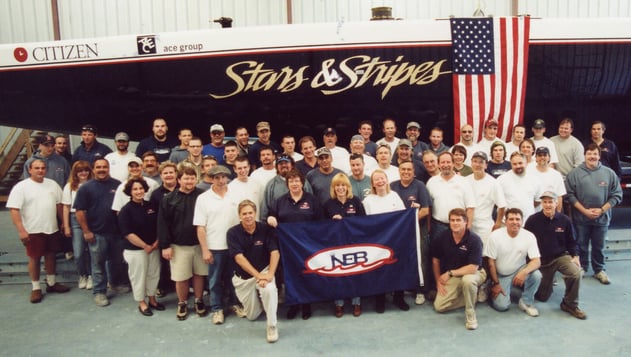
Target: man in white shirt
{"x":244,"y":187}
{"x":539,"y":129}
{"x":521,"y":190}
{"x":338,"y":154}
{"x":118,"y":159}
{"x":389,"y":132}
{"x":549,"y":178}
{"x":490,"y":136}
{"x":514,"y":260}
{"x":448,"y":191}
{"x":35,"y":205}
{"x":519,"y":133}
{"x":289,"y":147}
{"x":466,"y":140}
{"x":266,"y":171}
{"x":215,"y":213}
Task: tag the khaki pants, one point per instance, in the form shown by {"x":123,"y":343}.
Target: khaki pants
{"x":461,"y":291}
{"x":144,"y":272}
{"x":256,"y":299}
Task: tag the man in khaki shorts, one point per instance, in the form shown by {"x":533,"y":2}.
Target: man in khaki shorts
{"x":178,"y":241}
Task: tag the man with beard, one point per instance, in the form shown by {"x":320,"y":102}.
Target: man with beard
{"x":158,"y":142}
{"x":120,"y":158}
{"x":277,"y":186}
{"x":98,"y":222}
{"x":90,"y":149}
{"x":520,"y":189}
{"x":264,"y":133}
{"x":413,"y":132}
{"x":266,"y":170}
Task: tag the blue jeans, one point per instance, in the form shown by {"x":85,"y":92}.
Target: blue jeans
{"x":79,"y":247}
{"x":586,"y":233}
{"x":355,"y":301}
{"x":220,"y":279}
{"x":531,"y":285}
{"x":106,"y":249}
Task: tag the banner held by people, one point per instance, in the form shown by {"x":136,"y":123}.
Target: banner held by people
{"x":355,"y":256}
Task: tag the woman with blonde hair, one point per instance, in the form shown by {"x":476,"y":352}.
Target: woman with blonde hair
{"x":343,"y":204}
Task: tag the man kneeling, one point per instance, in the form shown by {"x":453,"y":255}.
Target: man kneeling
{"x":254,"y":247}
{"x":456,"y":262}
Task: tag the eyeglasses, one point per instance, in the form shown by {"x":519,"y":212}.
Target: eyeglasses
{"x":467,"y":131}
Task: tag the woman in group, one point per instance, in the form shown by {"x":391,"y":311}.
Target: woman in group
{"x":80,"y":173}
{"x":295,"y":206}
{"x":460,"y":154}
{"x":527,"y":147}
{"x":137,"y":220}
{"x":382,"y":200}
{"x":344,"y":204}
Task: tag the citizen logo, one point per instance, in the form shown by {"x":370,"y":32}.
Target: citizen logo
{"x":349,"y":260}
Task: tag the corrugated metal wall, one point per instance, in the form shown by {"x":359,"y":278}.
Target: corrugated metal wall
{"x":31,"y":20}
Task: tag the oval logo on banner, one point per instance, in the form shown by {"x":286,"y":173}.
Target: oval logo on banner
{"x":349,"y":260}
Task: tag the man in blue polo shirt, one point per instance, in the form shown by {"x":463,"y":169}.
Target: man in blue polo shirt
{"x":555,"y":239}
{"x":456,"y":262}
{"x":98,"y":222}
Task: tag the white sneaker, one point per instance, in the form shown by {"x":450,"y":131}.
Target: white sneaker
{"x":218,"y":317}
{"x":88,"y":283}
{"x":272,"y":334}
{"x":83,"y":281}
{"x":420,"y":299}
{"x":238,"y":310}
{"x":530,"y":310}
{"x":101,"y":300}
{"x":471,"y":322}
{"x":602,"y":277}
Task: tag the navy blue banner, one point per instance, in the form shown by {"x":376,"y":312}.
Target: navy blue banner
{"x":355,"y":256}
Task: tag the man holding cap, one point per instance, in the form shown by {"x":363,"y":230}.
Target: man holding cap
{"x":538,"y":129}
{"x":215,"y":212}
{"x":264,"y":133}
{"x":555,"y":239}
{"x":120,"y":158}
{"x":57,"y":168}
{"x":216,"y":146}
{"x":320,"y":179}
{"x":90,"y":149}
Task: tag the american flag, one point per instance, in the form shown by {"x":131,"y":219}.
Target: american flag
{"x":490,"y":62}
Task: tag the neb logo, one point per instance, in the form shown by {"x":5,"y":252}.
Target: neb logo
{"x":349,"y":260}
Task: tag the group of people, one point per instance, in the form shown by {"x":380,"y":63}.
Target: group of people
{"x":187,"y":216}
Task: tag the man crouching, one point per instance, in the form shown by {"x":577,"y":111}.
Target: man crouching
{"x":254,"y":247}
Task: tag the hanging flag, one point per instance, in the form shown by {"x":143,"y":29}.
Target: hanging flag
{"x":490,"y":64}
{"x":355,"y":256}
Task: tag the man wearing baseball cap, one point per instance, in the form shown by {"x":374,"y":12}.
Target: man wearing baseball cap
{"x":538,"y":129}
{"x":118,"y":159}
{"x":264,"y":133}
{"x":555,"y":239}
{"x":89,"y":149}
{"x":320,"y":178}
{"x":57,"y":168}
{"x":216,"y":145}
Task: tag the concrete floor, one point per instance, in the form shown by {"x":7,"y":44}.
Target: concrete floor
{"x":71,"y":325}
